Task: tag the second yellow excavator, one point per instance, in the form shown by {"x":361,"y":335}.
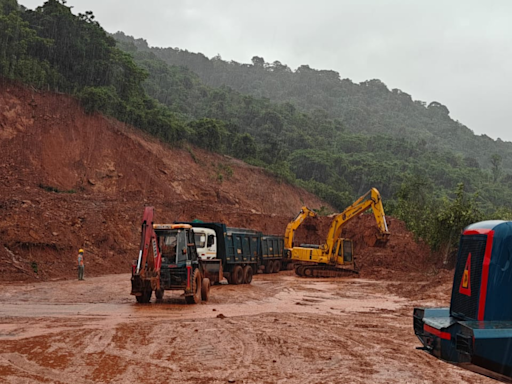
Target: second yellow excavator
{"x":335,"y":257}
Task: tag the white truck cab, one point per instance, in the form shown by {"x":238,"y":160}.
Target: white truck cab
{"x":206,"y":243}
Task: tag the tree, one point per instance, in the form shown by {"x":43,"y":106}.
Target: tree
{"x":207,"y":134}
{"x":496,"y":161}
{"x":244,"y":146}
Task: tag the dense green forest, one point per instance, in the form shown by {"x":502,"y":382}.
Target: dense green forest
{"x":367,"y":108}
{"x":401,"y":147}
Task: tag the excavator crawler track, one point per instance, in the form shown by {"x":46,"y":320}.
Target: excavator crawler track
{"x":323,"y":271}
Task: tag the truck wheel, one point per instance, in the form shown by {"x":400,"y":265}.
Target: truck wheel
{"x":195,"y":296}
{"x":144,"y":298}
{"x":269,"y":266}
{"x":159,"y":294}
{"x":237,"y":275}
{"x":205,"y":289}
{"x":277,"y":266}
{"x":248,"y":272}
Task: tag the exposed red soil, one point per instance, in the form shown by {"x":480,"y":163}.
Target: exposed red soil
{"x":105,"y":172}
{"x":111,"y":171}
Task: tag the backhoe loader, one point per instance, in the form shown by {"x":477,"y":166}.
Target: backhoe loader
{"x":335,"y":257}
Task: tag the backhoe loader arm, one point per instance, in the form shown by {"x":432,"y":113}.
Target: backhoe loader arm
{"x":294,"y":224}
{"x":370,"y":199}
{"x":149,"y":255}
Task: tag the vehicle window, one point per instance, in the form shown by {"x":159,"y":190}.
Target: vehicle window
{"x":211,"y":240}
{"x":200,"y":238}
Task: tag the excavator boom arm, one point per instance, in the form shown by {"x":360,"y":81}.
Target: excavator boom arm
{"x":294,"y":224}
{"x":370,"y":199}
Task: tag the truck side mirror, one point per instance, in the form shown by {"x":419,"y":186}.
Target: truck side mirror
{"x":211,"y":240}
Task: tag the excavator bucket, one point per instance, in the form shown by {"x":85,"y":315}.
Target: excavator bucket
{"x":372,"y":238}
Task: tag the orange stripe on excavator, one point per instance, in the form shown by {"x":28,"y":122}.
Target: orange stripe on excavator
{"x":437,"y":332}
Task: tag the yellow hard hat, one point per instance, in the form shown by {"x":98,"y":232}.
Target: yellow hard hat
{"x":80,"y":251}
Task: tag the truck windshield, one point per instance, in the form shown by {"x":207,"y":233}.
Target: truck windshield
{"x":200,"y":239}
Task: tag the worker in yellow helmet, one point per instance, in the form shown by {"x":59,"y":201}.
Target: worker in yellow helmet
{"x":80,"y":264}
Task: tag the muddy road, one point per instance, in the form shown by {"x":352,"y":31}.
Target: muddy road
{"x":279,"y":329}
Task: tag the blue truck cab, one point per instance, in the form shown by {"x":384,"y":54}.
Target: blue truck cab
{"x":475,"y":332}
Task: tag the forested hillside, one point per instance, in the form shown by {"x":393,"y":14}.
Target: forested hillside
{"x":368,"y":108}
{"x":337,"y":155}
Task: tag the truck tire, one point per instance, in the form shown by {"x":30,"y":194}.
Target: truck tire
{"x":144,"y":298}
{"x":205,"y":289}
{"x":237,"y":275}
{"x":248,"y":272}
{"x":277,"y":266}
{"x":195,"y":296}
{"x":159,"y":294}
{"x":269,"y":266}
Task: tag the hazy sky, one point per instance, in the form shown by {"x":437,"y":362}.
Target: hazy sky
{"x":456,"y":52}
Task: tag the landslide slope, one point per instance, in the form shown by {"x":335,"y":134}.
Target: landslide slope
{"x":71,"y":180}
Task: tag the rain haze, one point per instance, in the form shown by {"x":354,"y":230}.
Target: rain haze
{"x":457,"y":53}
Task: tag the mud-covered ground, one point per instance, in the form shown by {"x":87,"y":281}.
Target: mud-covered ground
{"x":279,"y":329}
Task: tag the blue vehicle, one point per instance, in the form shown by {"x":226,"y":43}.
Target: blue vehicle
{"x":241,"y":252}
{"x":475,"y":332}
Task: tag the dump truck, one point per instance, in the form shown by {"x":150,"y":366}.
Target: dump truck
{"x":335,"y":257}
{"x":168,"y":260}
{"x":475,"y":332}
{"x":240,"y":252}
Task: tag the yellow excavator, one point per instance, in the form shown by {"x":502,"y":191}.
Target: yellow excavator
{"x":292,"y":226}
{"x":335,"y":257}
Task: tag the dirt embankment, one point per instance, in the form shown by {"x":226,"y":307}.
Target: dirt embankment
{"x":71,"y":180}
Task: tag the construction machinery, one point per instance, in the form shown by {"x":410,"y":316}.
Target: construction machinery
{"x":289,"y":233}
{"x":168,"y":260}
{"x":475,"y":332}
{"x":335,"y":257}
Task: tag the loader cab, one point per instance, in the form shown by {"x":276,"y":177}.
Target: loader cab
{"x":206,"y":243}
{"x":176,"y":244}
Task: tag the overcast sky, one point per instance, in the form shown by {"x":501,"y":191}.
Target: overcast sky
{"x":456,"y":52}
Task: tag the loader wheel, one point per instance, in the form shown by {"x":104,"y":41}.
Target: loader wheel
{"x":269,"y":267}
{"x":195,"y":296}
{"x":159,"y":294}
{"x":248,"y":272}
{"x":205,"y":289}
{"x":144,"y":298}
{"x":237,"y":275}
{"x":277,"y":266}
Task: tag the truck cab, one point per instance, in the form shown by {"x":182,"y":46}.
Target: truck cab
{"x":206,"y":243}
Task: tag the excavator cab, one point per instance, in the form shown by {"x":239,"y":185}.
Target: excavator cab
{"x":343,"y":251}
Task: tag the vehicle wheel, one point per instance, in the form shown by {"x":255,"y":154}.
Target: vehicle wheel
{"x":159,"y":294}
{"x":237,"y":276}
{"x":277,"y":266}
{"x":299,"y":270}
{"x":144,"y":298}
{"x":205,"y":289}
{"x":269,"y":267}
{"x":248,"y":272}
{"x":195,"y":296}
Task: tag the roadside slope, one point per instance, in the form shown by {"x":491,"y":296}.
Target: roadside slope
{"x":70,"y":180}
